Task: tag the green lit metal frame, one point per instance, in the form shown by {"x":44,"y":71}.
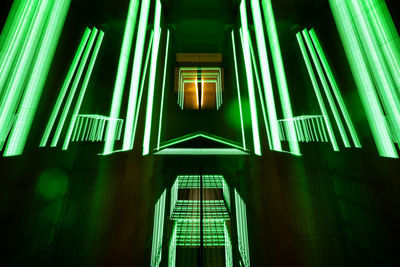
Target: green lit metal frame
{"x":187,"y":222}
{"x":40,"y":70}
{"x":272,"y":129}
{"x":238,"y":89}
{"x":325,"y":86}
{"x":335,"y":88}
{"x":163,"y":90}
{"x":250,"y":82}
{"x":317,"y":92}
{"x":159,"y":212}
{"x":309,"y":128}
{"x":26,"y":57}
{"x":121,"y":73}
{"x":83,"y":89}
{"x":65,"y":87}
{"x":241,"y":223}
{"x":91,"y":127}
{"x":364,"y":82}
{"x":153,"y":68}
{"x":280,"y":73}
{"x":136,"y":72}
{"x":74,"y":86}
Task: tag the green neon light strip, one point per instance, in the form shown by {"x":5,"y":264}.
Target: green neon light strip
{"x":228,"y":248}
{"x":174,"y":196}
{"x":335,"y":88}
{"x":280,"y":73}
{"x":325,"y":86}
{"x":238,"y":89}
{"x":163,"y":91}
{"x":38,"y":78}
{"x":387,"y":35}
{"x":266,"y":77}
{"x":83,"y":89}
{"x":64,"y":87}
{"x":197,"y":135}
{"x":136,"y":71}
{"x":26,"y":57}
{"x":363,"y":79}
{"x":250,"y":82}
{"x":142,"y":86}
{"x":241,"y":222}
{"x":13,"y":35}
{"x":121,"y":73}
{"x":383,"y":80}
{"x":153,"y":68}
{"x":317,"y":91}
{"x":159,"y":213}
{"x":201,"y":151}
{"x":172,"y":247}
{"x":260,"y":94}
{"x":74,"y":86}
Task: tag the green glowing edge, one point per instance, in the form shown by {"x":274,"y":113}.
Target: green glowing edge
{"x":273,"y":136}
{"x":241,"y":223}
{"x":325,"y":86}
{"x":136,"y":71}
{"x":317,"y":91}
{"x":238,"y":89}
{"x":74,"y":86}
{"x":250,"y":82}
{"x":153,"y":68}
{"x":121,"y":73}
{"x":55,"y":23}
{"x":280,"y":73}
{"x":363,"y":79}
{"x":163,"y":90}
{"x":159,"y":212}
{"x":335,"y":88}
{"x":83,"y":89}
{"x":64,"y":87}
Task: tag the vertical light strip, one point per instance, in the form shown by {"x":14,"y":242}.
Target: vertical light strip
{"x":363,"y":79}
{"x":241,"y":223}
{"x":250,"y":82}
{"x":74,"y":86}
{"x":121,"y":74}
{"x":34,"y":88}
{"x":136,"y":72}
{"x":387,"y":35}
{"x":152,"y":81}
{"x":325,"y":86}
{"x":163,"y":91}
{"x":280,"y":74}
{"x":13,"y":35}
{"x":64,"y":87}
{"x":266,"y":76}
{"x":142,"y":86}
{"x":83,"y":89}
{"x":253,"y":60}
{"x":383,"y":80}
{"x":158,"y":229}
{"x":27,"y":55}
{"x":317,"y":91}
{"x":238,"y":89}
{"x":335,"y":88}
